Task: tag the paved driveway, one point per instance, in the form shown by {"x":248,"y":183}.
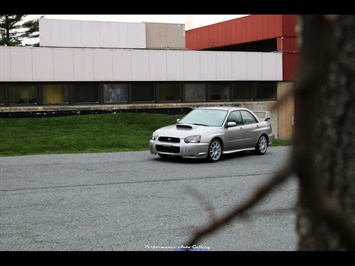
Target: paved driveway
{"x":133,"y":201}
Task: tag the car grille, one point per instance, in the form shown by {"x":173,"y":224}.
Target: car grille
{"x":169,"y":139}
{"x":171,"y":149}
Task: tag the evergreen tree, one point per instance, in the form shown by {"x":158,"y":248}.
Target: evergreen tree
{"x":32,"y":29}
{"x":13,"y":30}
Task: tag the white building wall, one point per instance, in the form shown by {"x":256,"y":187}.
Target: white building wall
{"x":76,"y":33}
{"x":42,"y":64}
{"x":270,"y":66}
{"x":191,"y":60}
{"x":65,"y":34}
{"x":157,"y":62}
{"x":175,"y":65}
{"x":63,"y":65}
{"x":84,"y":64}
{"x":208,"y":65}
{"x":103,"y":65}
{"x":223,"y":66}
{"x":121,"y":65}
{"x":239,"y":66}
{"x":140,"y":65}
{"x":95,"y":64}
{"x":5,"y":64}
{"x":21,"y":65}
{"x":254,"y":66}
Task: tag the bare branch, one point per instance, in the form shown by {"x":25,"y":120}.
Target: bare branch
{"x":259,"y":194}
{"x":208,"y":206}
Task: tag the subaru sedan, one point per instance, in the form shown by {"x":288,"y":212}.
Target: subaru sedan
{"x":210,"y":132}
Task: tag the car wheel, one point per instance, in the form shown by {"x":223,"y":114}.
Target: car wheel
{"x":214,"y":150}
{"x":261,"y":145}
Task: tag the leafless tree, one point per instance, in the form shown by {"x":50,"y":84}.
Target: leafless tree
{"x":323,"y":150}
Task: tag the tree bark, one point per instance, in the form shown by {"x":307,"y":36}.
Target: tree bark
{"x":326,"y":133}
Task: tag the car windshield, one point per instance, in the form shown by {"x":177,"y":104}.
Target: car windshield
{"x":205,"y":117}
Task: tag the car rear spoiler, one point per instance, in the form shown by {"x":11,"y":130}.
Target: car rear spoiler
{"x":263,"y":115}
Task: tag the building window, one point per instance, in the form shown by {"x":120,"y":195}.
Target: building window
{"x":2,"y":94}
{"x":195,"y":92}
{"x":265,"y":90}
{"x":142,"y":92}
{"x":85,"y":93}
{"x":115,"y":92}
{"x":23,"y":94}
{"x":243,"y":91}
{"x":169,"y":92}
{"x":53,"y":93}
{"x":218,"y":91}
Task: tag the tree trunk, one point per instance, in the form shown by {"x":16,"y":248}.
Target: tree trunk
{"x":327,"y":116}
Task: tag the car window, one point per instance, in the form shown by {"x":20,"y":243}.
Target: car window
{"x":235,"y":117}
{"x":248,"y":118}
{"x":205,"y":117}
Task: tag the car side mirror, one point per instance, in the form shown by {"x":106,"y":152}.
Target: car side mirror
{"x":231,"y":124}
{"x":177,"y":120}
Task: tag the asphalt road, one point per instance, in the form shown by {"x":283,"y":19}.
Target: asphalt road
{"x":134,"y":201}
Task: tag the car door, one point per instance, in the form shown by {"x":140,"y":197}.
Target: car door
{"x":250,"y":130}
{"x":234,"y":135}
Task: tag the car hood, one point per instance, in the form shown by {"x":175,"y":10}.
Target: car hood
{"x":183,"y":130}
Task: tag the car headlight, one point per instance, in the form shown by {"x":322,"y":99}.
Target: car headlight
{"x":193,"y":139}
{"x":154,"y":136}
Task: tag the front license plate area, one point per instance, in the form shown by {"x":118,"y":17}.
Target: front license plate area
{"x":165,"y":148}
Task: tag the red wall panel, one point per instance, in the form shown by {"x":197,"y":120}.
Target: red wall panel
{"x":289,"y":23}
{"x":241,"y":30}
{"x":287,"y":44}
{"x":289,"y":65}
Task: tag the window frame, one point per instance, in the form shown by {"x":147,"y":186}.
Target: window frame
{"x":234,"y":87}
{"x":221,"y":99}
{"x":127,"y":93}
{"x":67,"y":84}
{"x":35,"y":86}
{"x":194,"y":83}
{"x":72,"y":93}
{"x":153,"y":88}
{"x":274,"y":88}
{"x":159,"y":88}
{"x":3,"y":94}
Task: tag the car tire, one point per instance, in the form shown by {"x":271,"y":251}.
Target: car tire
{"x":261,"y":145}
{"x":214,"y":150}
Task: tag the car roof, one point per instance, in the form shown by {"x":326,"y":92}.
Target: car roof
{"x":227,"y":108}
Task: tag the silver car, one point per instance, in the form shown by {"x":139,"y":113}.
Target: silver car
{"x":209,"y":132}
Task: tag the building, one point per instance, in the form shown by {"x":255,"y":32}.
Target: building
{"x":259,"y":33}
{"x":113,"y":66}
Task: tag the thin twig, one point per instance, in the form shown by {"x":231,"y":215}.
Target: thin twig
{"x":259,"y":194}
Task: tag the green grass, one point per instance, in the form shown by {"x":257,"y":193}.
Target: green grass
{"x":280,"y":142}
{"x":82,"y":134}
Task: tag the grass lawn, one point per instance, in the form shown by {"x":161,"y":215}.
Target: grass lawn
{"x":83,"y":133}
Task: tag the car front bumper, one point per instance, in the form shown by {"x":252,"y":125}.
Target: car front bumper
{"x":182,"y":149}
